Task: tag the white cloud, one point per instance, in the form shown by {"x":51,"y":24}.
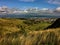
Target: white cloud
{"x":54,"y":1}
{"x":58,"y":8}
{"x":4,"y":7}
{"x":44,"y":9}
{"x":27,"y":0}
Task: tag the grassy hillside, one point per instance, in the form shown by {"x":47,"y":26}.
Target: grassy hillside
{"x":47,"y":37}
{"x":15,"y":25}
{"x":26,"y":32}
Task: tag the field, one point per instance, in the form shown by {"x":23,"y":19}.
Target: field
{"x":27,"y":32}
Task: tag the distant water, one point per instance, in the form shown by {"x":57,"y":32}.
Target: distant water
{"x":28,"y":16}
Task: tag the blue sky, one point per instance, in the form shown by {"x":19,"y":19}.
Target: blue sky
{"x":51,"y":4}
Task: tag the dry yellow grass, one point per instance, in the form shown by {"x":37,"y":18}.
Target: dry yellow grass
{"x":45,"y":37}
{"x":12,"y":34}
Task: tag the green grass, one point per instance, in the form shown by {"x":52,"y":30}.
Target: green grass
{"x":15,"y":24}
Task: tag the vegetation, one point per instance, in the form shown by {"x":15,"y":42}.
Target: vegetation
{"x":21,"y":32}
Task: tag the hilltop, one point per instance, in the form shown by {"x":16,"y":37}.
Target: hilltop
{"x":56,"y":24}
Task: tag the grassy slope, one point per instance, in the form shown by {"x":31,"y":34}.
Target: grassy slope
{"x":15,"y":32}
{"x":15,"y":25}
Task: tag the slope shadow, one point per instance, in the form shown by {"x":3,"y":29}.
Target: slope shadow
{"x":56,"y":24}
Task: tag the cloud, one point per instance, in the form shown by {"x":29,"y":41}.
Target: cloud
{"x":58,"y":8}
{"x":44,"y":9}
{"x":54,"y":2}
{"x":27,"y":0}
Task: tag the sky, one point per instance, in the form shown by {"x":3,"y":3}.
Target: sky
{"x":23,"y":4}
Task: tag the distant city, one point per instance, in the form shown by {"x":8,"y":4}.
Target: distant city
{"x":5,"y":10}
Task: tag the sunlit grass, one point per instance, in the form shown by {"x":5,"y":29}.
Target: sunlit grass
{"x":16,"y":32}
{"x":47,"y":37}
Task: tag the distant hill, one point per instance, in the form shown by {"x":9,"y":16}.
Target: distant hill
{"x":56,"y":24}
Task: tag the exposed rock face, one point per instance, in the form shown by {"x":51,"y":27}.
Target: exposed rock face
{"x":56,"y":24}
